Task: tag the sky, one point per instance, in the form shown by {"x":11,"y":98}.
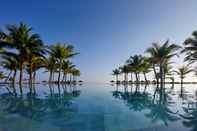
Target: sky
{"x":105,"y":32}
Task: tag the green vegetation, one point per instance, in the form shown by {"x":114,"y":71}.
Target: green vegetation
{"x":183,"y":71}
{"x":23,"y":50}
{"x":158,"y":61}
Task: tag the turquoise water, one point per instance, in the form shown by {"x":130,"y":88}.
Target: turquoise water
{"x":99,"y":107}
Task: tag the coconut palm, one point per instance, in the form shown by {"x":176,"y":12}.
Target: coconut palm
{"x":190,"y":48}
{"x":183,"y":71}
{"x":67,"y":68}
{"x":35,"y":56}
{"x":61,"y":53}
{"x":136,"y":62}
{"x":162,"y":54}
{"x":11,"y":64}
{"x":20,"y":38}
{"x":33,"y":66}
{"x":154,"y":62}
{"x":145,"y":67}
{"x":50,"y":66}
{"x":116,"y":72}
{"x":125,"y":70}
{"x":75,"y":73}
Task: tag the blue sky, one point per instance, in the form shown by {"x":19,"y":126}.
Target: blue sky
{"x":105,"y":32}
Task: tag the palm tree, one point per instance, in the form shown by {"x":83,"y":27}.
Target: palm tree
{"x":183,"y":71}
{"x":20,"y":38}
{"x":50,"y":66}
{"x":35,"y":56}
{"x":136,"y":62}
{"x":61,"y":53}
{"x":168,"y":71}
{"x":125,"y":70}
{"x":190,"y":48}
{"x":33,"y":66}
{"x":145,"y":67}
{"x":11,"y":64}
{"x":153,"y":62}
{"x":162,"y":54}
{"x":67,"y":68}
{"x":75,"y":73}
{"x":116,"y":72}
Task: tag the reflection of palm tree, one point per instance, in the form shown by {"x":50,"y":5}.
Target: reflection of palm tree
{"x":182,"y":94}
{"x":139,"y":101}
{"x":136,"y":100}
{"x":190,"y":118}
{"x":54,"y":107}
{"x":159,"y":109}
{"x":116,"y":93}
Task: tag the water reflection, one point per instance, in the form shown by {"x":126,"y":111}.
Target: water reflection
{"x":158,"y":105}
{"x":190,"y":116}
{"x":53,"y":106}
{"x":98,"y":107}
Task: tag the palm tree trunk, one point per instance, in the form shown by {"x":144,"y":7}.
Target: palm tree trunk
{"x":155,"y":73}
{"x":30,"y":75}
{"x":53,"y":76}
{"x":50,"y":76}
{"x":21,"y":77}
{"x":181,"y":81}
{"x":125,"y":77}
{"x":136,"y":77}
{"x":73,"y":78}
{"x":60,"y":68}
{"x":131,"y":76}
{"x":161,"y":76}
{"x":21,"y":74}
{"x":145,"y":77}
{"x":116,"y":78}
{"x":70,"y":78}
{"x":34,"y":77}
{"x":14,"y":77}
{"x":65,"y":77}
{"x":59,"y":74}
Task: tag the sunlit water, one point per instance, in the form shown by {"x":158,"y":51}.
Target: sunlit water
{"x":99,"y":107}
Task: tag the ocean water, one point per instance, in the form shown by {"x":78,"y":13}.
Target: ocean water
{"x":99,"y":107}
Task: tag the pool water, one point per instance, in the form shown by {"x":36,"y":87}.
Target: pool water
{"x":99,"y":107}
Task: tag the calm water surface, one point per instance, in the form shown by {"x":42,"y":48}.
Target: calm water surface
{"x":99,"y":107}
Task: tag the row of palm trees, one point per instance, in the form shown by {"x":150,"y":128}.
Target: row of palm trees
{"x":23,"y":50}
{"x":158,"y":61}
